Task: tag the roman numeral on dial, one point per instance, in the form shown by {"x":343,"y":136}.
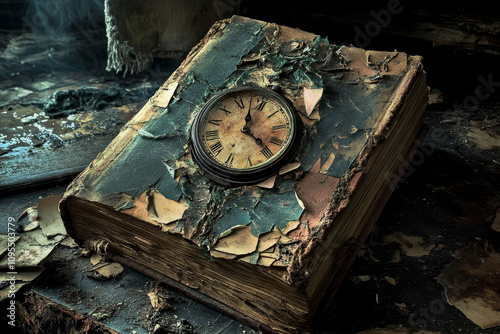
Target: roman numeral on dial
{"x":260,"y":105}
{"x":216,"y":148}
{"x":276,"y":141}
{"x":229,"y":160}
{"x":267,"y":152}
{"x":279,"y":127}
{"x":240,"y":103}
{"x":274,"y":113}
{"x":212,"y":135}
{"x":215,"y":121}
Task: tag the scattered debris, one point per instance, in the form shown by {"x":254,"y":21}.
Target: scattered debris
{"x":472,"y":284}
{"x":160,"y":298}
{"x":400,"y":305}
{"x":483,"y":138}
{"x":435,"y":96}
{"x":49,"y":216}
{"x":414,"y":246}
{"x":102,"y":269}
{"x":24,"y":252}
{"x":71,"y":101}
{"x":390,"y":280}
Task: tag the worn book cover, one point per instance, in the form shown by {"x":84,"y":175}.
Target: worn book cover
{"x":270,"y":254}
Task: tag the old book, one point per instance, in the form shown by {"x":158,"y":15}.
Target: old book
{"x":270,"y":254}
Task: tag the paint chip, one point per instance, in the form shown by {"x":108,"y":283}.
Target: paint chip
{"x":269,"y":183}
{"x":414,"y":246}
{"x":390,"y":280}
{"x":164,"y":210}
{"x":292,"y":225}
{"x":289,"y":167}
{"x":239,"y":242}
{"x":311,"y":99}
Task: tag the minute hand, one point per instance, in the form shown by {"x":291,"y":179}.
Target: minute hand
{"x":248,"y":118}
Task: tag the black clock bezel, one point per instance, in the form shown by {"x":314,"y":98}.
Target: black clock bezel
{"x":233,"y":177}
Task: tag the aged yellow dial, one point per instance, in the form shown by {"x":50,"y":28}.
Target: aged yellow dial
{"x":243,"y":135}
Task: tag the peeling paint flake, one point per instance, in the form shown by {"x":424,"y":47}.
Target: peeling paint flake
{"x":239,"y":242}
{"x":292,"y":225}
{"x":164,"y":210}
{"x":140,"y":208}
{"x":268,"y":240}
{"x":311,"y":99}
{"x":236,"y":210}
{"x":289,"y":167}
{"x":269,"y":183}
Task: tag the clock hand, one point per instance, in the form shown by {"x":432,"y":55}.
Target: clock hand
{"x":248,"y":118}
{"x":246,"y":130}
{"x":258,"y":141}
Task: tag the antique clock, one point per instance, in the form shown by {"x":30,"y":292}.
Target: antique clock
{"x":245,"y":135}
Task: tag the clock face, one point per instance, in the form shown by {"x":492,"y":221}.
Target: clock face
{"x":244,"y":135}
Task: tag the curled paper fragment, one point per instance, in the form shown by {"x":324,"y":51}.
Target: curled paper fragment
{"x":49,"y":216}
